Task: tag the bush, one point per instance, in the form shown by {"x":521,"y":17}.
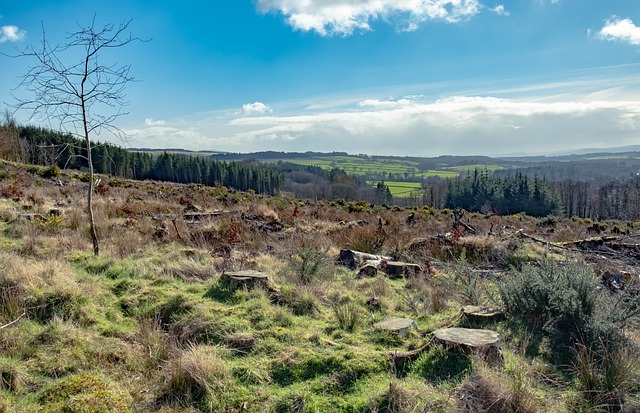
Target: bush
{"x":51,"y":172}
{"x":563,"y":303}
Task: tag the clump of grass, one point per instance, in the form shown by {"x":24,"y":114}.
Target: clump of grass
{"x":13,"y":378}
{"x":467,"y":280}
{"x":155,"y":343}
{"x":367,"y":239}
{"x":604,"y":377}
{"x":308,"y":264}
{"x":489,"y":391}
{"x":196,"y":376}
{"x":397,"y":399}
{"x":348,"y":315}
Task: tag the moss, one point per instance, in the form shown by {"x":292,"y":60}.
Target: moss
{"x":86,"y":392}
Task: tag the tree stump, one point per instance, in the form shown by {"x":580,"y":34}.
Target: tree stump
{"x":247,"y":279}
{"x":482,"y":342}
{"x":396,"y":325}
{"x":476,"y":314}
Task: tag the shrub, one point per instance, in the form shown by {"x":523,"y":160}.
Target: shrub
{"x":51,"y":172}
{"x":563,"y":303}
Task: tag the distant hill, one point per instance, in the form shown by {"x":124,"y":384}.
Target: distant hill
{"x":178,"y":151}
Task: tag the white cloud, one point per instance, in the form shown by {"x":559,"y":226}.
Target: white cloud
{"x":621,"y":30}
{"x":457,"y":125}
{"x":343,"y":17}
{"x":385,"y":104}
{"x":255,"y":109}
{"x":151,"y":122}
{"x":500,"y":10}
{"x":11,"y":34}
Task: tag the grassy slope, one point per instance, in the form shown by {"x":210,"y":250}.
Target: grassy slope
{"x":149,"y":325}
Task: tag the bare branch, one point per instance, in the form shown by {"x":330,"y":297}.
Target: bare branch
{"x":14,"y":321}
{"x":86,"y":97}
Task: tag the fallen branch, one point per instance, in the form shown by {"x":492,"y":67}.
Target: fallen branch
{"x":593,"y":241}
{"x":522,"y":234}
{"x":14,"y":321}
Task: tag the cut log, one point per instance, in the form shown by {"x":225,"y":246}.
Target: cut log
{"x":353,"y":259}
{"x":396,"y":325}
{"x":397,"y":269}
{"x":478,"y":314}
{"x":245,"y":279}
{"x":367,"y":270}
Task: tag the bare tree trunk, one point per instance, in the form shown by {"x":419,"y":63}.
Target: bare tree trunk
{"x":92,"y":223}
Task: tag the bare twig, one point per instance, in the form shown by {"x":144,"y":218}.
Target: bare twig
{"x":14,"y":321}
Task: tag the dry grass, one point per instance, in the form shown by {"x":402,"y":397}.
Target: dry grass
{"x":196,"y":376}
{"x":492,"y":391}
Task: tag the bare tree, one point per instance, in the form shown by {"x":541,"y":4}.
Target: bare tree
{"x":71,"y":84}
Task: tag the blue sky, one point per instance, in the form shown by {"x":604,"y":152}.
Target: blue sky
{"x":397,"y":77}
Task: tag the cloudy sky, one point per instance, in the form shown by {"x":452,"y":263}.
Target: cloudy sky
{"x":399,"y":77}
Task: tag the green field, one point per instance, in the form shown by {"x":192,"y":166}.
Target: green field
{"x":355,"y":165}
{"x":402,"y":189}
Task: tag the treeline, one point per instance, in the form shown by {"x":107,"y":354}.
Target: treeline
{"x":483,"y":192}
{"x":46,"y":147}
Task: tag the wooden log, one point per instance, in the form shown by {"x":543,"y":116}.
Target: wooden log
{"x":353,"y":259}
{"x":397,"y":269}
{"x":367,"y":270}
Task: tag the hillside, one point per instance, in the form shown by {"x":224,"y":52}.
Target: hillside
{"x":155,"y":324}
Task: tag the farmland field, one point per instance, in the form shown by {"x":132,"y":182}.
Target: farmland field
{"x":402,"y":189}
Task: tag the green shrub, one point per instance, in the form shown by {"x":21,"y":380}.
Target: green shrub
{"x":564,"y":303}
{"x":51,"y":172}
